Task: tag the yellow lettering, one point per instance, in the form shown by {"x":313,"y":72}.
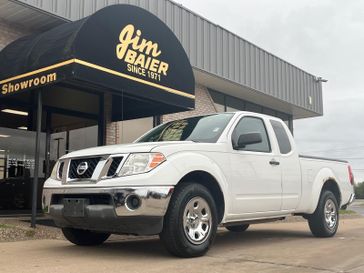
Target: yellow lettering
{"x":139,"y":52}
{"x":52,"y":77}
{"x":4,"y":89}
{"x":149,"y":48}
{"x":43,"y":79}
{"x":125,"y":39}
{"x":11,"y":88}
{"x":140,"y":60}
{"x":163,"y":68}
{"x":24,"y":85}
{"x":154,"y":65}
{"x":130,"y":56}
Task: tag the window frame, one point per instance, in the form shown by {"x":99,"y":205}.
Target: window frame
{"x":265,"y":129}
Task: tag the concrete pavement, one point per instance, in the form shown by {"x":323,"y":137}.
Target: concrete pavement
{"x":274,"y":247}
{"x":358,"y":206}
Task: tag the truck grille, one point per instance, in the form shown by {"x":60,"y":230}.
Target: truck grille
{"x":114,"y":165}
{"x":88,"y":164}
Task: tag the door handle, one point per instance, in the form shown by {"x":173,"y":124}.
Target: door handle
{"x":274,"y":162}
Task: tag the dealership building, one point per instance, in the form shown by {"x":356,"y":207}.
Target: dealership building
{"x":189,"y":66}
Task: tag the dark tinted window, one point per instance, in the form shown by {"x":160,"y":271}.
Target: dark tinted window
{"x":282,"y":137}
{"x":199,"y":129}
{"x":252,"y":125}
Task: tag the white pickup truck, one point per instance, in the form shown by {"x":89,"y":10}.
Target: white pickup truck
{"x":185,"y":178}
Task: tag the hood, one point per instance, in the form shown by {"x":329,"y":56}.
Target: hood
{"x":122,"y":148}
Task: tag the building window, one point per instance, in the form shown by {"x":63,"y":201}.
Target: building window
{"x":226,"y":103}
{"x":219,"y":101}
{"x":234,"y":104}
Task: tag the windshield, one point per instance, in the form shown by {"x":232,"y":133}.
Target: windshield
{"x":198,"y":129}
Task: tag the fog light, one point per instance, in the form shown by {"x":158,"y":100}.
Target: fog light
{"x":132,"y":202}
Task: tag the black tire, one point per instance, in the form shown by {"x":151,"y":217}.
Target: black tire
{"x":84,"y":237}
{"x":174,"y":237}
{"x":317,"y":221}
{"x":237,"y":228}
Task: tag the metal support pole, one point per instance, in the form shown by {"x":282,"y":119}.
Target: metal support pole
{"x":48,"y":145}
{"x":101,"y":122}
{"x":37,"y":154}
{"x":156,"y":121}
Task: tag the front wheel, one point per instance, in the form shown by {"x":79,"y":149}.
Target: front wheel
{"x":324,"y":221}
{"x":84,"y":237}
{"x":190,"y":223}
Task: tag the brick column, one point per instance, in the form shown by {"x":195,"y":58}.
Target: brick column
{"x":203,"y":105}
{"x":112,"y":135}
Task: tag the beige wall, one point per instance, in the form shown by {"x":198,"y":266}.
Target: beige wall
{"x":130,"y":130}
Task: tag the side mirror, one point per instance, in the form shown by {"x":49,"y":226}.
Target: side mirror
{"x":249,"y":138}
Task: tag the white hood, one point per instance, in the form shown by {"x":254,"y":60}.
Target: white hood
{"x":122,"y":148}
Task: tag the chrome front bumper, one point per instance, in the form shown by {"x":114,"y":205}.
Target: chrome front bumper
{"x":153,"y":200}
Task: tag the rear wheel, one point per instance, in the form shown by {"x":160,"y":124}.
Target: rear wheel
{"x":190,"y":223}
{"x":324,"y":221}
{"x":237,"y":228}
{"x":84,"y":237}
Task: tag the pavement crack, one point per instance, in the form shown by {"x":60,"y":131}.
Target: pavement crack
{"x":238,"y":260}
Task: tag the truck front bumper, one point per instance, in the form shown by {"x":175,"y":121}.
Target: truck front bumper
{"x":123,"y":210}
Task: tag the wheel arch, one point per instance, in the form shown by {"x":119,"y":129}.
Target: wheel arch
{"x":210,"y":182}
{"x":325,"y":180}
{"x":332,"y":186}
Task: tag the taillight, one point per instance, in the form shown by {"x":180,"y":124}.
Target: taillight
{"x":351,"y":175}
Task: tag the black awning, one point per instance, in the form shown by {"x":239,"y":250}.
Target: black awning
{"x":121,"y":49}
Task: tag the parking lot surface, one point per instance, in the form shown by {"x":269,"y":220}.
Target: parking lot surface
{"x":273,"y":247}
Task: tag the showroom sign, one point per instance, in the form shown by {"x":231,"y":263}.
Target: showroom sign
{"x":122,"y":48}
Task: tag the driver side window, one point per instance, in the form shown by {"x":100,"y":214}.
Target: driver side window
{"x":252,"y":125}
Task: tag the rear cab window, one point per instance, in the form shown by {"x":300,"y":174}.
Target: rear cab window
{"x":284,"y":144}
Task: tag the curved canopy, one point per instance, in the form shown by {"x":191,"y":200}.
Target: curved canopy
{"x":122,"y":49}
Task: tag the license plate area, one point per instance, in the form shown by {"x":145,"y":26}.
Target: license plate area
{"x":74,"y":207}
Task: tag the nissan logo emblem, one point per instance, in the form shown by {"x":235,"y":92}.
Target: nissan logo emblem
{"x":82,"y":168}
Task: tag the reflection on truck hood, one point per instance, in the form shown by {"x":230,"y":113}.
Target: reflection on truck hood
{"x":123,"y":148}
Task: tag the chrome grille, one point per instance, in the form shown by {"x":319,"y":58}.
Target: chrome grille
{"x":91,"y":165}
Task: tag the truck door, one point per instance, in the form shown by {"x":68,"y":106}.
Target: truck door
{"x":290,"y":166}
{"x":255,"y":172}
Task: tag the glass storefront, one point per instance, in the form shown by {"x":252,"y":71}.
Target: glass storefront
{"x":17,"y":149}
{"x":17,"y":167}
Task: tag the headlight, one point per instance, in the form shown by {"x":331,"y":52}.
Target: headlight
{"x":141,"y":163}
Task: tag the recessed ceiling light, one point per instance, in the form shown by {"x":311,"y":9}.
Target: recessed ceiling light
{"x":23,"y":128}
{"x":1,"y":151}
{"x":4,"y":135}
{"x":15,"y":112}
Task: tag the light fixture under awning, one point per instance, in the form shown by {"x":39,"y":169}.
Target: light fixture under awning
{"x":15,"y":112}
